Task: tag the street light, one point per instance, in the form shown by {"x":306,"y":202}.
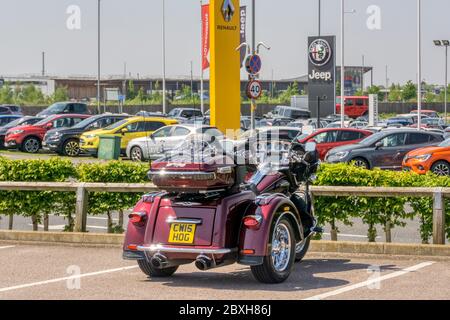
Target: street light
{"x":164,"y":55}
{"x":98,"y":58}
{"x":446,"y":44}
{"x":343,"y":12}
{"x":419,"y":64}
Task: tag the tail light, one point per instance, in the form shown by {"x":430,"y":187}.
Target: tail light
{"x":138,"y":218}
{"x":252,"y":222}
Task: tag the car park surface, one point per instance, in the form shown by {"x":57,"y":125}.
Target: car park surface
{"x":103,"y":275}
{"x":385,"y":149}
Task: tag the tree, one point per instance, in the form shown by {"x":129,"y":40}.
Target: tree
{"x":60,"y":94}
{"x":131,"y":92}
{"x":6,"y":94}
{"x":409,"y":91}
{"x":395,"y":94}
{"x":338,"y":88}
{"x":376,"y":90}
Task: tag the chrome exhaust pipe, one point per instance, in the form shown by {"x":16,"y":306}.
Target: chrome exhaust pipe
{"x":159,"y":261}
{"x":203,"y":263}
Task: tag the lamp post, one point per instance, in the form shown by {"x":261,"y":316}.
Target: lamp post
{"x":164,"y":56}
{"x":98,"y":56}
{"x":446,"y":44}
{"x":343,"y":12}
{"x":419,"y":64}
{"x":320,"y":17}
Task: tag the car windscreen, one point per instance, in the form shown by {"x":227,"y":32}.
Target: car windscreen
{"x":116,"y":125}
{"x":85,"y":123}
{"x":44,"y":121}
{"x":373,"y":138}
{"x":55,"y":108}
{"x":13,"y":124}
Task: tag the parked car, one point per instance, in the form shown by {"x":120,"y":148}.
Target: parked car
{"x":128,"y":129}
{"x":65,"y":108}
{"x":327,"y":139}
{"x":358,"y":124}
{"x":400,"y":121}
{"x":5,"y":119}
{"x":385,"y":149}
{"x":336,"y":117}
{"x":428,"y":113}
{"x":66,"y":141}
{"x":163,"y":140}
{"x":18,"y":122}
{"x":185,"y":113}
{"x":150,"y":114}
{"x":435,"y":159}
{"x":290,"y":112}
{"x":435,"y":123}
{"x":354,"y":106}
{"x":28,"y":138}
{"x":6,"y":109}
{"x":274,"y":122}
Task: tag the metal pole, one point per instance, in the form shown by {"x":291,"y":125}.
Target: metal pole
{"x":253,"y":101}
{"x":192,"y":84}
{"x":342,"y":65}
{"x":318,"y":112}
{"x":98,"y":57}
{"x":202,"y":102}
{"x":43,"y":63}
{"x":446,"y":83}
{"x":320,"y":17}
{"x":164,"y":55}
{"x":387,"y":83}
{"x":362,"y":74}
{"x":419,"y":64}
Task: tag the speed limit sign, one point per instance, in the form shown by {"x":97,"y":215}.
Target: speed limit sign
{"x":254,"y":89}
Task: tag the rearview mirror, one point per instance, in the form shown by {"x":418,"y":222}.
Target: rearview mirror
{"x":310,"y":146}
{"x":378,"y":145}
{"x":124,"y":130}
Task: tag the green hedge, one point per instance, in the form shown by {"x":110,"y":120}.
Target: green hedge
{"x":385,"y":212}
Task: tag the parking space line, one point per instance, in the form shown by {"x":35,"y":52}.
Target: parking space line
{"x":41,"y":283}
{"x":349,"y":235}
{"x":370,"y":282}
{"x":7,"y":247}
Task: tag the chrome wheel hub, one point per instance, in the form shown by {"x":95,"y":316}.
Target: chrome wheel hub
{"x":136,"y":154}
{"x":281,"y":247}
{"x":442,"y":170}
{"x":32,"y":145}
{"x":72,"y":149}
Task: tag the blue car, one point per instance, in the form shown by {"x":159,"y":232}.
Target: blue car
{"x":5,"y":119}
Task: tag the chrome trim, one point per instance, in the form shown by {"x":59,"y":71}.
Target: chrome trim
{"x":190,"y":221}
{"x":184,"y":175}
{"x":161,"y":248}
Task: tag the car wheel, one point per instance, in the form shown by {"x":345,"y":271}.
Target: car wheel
{"x":441,"y":168}
{"x":31,"y":145}
{"x":136,"y":154}
{"x":151,"y":271}
{"x":279,"y":261}
{"x":301,"y":249}
{"x":71,"y":148}
{"x":361,"y":163}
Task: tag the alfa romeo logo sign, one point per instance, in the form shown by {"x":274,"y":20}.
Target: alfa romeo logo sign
{"x":228,"y":10}
{"x":319,"y":52}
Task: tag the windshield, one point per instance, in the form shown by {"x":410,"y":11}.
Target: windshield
{"x":14,"y":123}
{"x":173,"y":113}
{"x":373,"y":138}
{"x":55,"y":108}
{"x":44,"y":121}
{"x":116,"y":125}
{"x":445,"y":143}
{"x":85,"y":123}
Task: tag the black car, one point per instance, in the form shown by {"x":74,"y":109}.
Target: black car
{"x":6,"y":109}
{"x":66,"y":141}
{"x":28,"y":120}
{"x":385,"y":149}
{"x":65,"y":107}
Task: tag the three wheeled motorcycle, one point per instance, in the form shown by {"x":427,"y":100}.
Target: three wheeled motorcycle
{"x":209,"y":212}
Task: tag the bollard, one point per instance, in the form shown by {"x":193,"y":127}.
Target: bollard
{"x":81,"y":208}
{"x":438,"y":217}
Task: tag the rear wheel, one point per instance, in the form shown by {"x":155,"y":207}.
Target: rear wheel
{"x":71,"y":148}
{"x":441,"y":168}
{"x":361,"y":163}
{"x":151,"y":271}
{"x":136,"y":154}
{"x":278,"y":263}
{"x":301,"y":249}
{"x":31,"y":145}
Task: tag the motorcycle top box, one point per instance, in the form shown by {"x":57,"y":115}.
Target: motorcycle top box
{"x":193,"y":169}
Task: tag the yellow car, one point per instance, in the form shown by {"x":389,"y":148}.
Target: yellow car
{"x":128,"y":129}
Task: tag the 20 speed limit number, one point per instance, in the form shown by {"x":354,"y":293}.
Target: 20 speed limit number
{"x":254,"y":89}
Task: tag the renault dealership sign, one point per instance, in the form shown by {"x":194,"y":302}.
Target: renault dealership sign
{"x":322,"y":75}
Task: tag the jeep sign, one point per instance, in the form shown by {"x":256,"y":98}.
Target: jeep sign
{"x":322,"y":75}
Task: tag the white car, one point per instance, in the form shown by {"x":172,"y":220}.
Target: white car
{"x":165,"y":140}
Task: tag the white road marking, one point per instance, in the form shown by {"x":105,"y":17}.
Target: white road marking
{"x":7,"y":247}
{"x":97,"y":227}
{"x":62,"y":226}
{"x":371,"y":281}
{"x":41,"y":283}
{"x":101,"y":218}
{"x":349,"y":235}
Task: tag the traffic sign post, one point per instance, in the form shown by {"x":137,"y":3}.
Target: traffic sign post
{"x":253,"y":64}
{"x":254,"y":89}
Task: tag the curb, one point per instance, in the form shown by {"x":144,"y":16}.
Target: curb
{"x":116,"y":240}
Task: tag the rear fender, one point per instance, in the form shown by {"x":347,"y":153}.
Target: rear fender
{"x":135,"y":234}
{"x":271,"y":208}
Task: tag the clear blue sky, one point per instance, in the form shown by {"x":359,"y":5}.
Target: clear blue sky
{"x":132,"y":33}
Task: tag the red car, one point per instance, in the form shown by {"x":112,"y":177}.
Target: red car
{"x":355,"y":107}
{"x":327,"y":139}
{"x":29,"y":138}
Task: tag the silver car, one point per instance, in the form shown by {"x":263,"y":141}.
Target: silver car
{"x":165,"y":140}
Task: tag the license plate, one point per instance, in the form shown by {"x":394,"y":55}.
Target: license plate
{"x":182,"y":233}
